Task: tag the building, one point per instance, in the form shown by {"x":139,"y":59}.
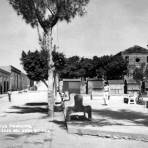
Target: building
{"x":25,"y":81}
{"x":71,"y":85}
{"x":136,"y":56}
{"x":92,"y":86}
{"x":133,"y":86}
{"x":4,"y":81}
{"x":15,"y":77}
{"x":95,"y":86}
{"x":17,"y":80}
{"x":116,"y":87}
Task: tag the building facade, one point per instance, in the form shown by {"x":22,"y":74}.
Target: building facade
{"x":71,"y":85}
{"x":95,"y":86}
{"x":136,"y":57}
{"x":133,"y":86}
{"x":17,"y":79}
{"x":116,"y":87}
{"x":25,"y":81}
{"x":4,"y":81}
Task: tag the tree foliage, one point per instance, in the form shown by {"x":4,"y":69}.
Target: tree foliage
{"x":110,"y":67}
{"x":86,"y":67}
{"x":71,"y":67}
{"x":48,"y":12}
{"x":59,"y":60}
{"x":36,"y":64}
{"x":140,"y":73}
{"x":146,"y":72}
{"x":116,"y":68}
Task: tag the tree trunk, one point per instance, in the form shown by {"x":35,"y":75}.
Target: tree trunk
{"x":50,"y":74}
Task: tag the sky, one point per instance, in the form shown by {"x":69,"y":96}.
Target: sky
{"x":109,"y":27}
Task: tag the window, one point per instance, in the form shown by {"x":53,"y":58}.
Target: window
{"x":137,"y":60}
{"x":127,"y":58}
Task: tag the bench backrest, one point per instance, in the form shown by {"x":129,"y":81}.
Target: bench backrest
{"x":78,"y":101}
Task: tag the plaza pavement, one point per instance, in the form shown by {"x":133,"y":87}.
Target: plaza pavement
{"x":117,"y":119}
{"x":24,"y":124}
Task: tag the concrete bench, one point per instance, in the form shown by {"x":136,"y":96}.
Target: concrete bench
{"x":130,"y":99}
{"x":78,"y":111}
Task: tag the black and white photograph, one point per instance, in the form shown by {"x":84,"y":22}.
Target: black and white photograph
{"x":74,"y":74}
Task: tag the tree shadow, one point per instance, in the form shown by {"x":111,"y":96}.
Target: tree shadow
{"x":15,"y":136}
{"x":36,"y":104}
{"x":19,"y":134}
{"x":108,"y":117}
{"x":26,"y":110}
{"x":132,"y":116}
{"x":61,"y":124}
{"x":33,"y":107}
{"x":93,"y":123}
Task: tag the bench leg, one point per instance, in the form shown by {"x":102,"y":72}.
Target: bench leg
{"x":68,"y":112}
{"x":88,"y":111}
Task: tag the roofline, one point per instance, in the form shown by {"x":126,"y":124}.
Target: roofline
{"x":4,"y":71}
{"x":124,"y":53}
{"x":94,"y":80}
{"x":72,"y":80}
{"x":127,"y":51}
{"x":15,"y":69}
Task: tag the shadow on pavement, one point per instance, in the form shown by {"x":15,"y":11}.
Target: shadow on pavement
{"x":15,"y":136}
{"x":61,"y":124}
{"x":132,"y":116}
{"x":108,"y":117}
{"x":93,"y":123}
{"x":26,"y":110}
{"x":33,"y":107}
{"x":36,"y":104}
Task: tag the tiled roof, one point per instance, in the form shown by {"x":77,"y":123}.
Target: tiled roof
{"x":135,"y":49}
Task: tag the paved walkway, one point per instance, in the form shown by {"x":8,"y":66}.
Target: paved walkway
{"x":24,"y":123}
{"x":117,"y":119}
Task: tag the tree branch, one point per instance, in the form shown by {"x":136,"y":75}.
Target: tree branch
{"x":45,"y":83}
{"x":52,"y":13}
{"x":40,"y":38}
{"x":38,"y":16}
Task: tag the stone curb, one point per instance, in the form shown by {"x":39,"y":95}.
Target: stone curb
{"x":108,"y":134}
